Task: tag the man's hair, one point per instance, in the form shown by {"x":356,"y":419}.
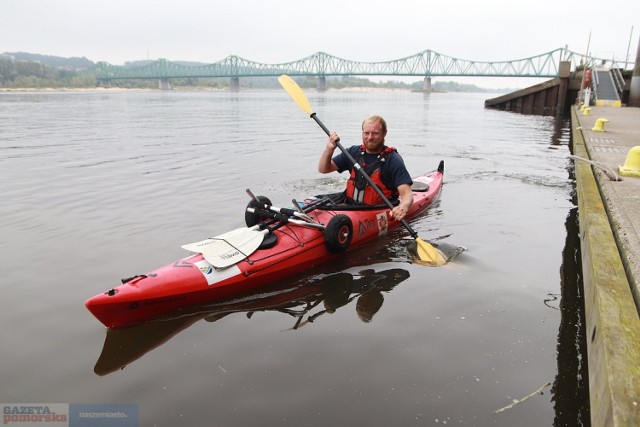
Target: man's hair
{"x":375,"y":118}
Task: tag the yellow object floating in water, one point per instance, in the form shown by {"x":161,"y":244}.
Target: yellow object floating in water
{"x":632,"y":164}
{"x":599,"y":126}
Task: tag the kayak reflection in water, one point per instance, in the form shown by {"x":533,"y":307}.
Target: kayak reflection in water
{"x":367,"y":287}
{"x":295,"y":298}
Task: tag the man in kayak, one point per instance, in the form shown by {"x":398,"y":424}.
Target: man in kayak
{"x":383,"y":164}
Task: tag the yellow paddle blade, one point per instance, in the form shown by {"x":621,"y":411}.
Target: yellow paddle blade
{"x":429,"y":254}
{"x":294,"y":91}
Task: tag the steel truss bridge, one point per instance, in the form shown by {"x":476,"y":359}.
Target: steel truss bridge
{"x":425,"y":64}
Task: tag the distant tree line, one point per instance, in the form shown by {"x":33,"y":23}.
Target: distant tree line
{"x":27,"y":74}
{"x":32,"y":71}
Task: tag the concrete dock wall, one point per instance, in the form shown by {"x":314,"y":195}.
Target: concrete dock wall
{"x":612,"y":321}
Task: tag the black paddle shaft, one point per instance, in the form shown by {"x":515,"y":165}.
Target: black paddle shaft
{"x":359,"y":169}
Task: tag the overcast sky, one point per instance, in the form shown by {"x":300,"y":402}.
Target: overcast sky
{"x":279,"y":31}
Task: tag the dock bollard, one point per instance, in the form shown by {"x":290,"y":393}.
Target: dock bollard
{"x":599,"y":126}
{"x":586,"y":111}
{"x":632,"y":164}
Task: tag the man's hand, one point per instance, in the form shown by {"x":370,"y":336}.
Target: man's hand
{"x":399,"y":212}
{"x":406,"y":200}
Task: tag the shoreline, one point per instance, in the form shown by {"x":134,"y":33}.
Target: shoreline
{"x":211,"y":89}
{"x":189,"y":88}
{"x":72,"y":89}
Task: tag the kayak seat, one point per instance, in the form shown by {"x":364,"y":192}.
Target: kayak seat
{"x":339,"y":202}
{"x":269,"y":241}
{"x":419,"y":187}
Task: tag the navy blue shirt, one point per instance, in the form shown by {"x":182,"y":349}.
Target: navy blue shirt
{"x":393,"y":172}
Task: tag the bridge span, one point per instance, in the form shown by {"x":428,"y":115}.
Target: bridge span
{"x":425,"y":64}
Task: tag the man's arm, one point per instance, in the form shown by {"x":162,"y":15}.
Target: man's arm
{"x":406,"y":201}
{"x":326,"y":164}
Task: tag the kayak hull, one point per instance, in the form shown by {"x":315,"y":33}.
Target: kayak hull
{"x":193,"y":280}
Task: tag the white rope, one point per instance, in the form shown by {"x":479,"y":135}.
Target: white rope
{"x":611,"y":174}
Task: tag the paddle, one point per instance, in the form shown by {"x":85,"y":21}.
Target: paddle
{"x":288,"y":212}
{"x":284,"y":218}
{"x":229,"y":248}
{"x":426,"y":252}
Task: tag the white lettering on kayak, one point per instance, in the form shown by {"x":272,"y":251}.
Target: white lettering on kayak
{"x":230,"y":255}
{"x":364,"y":225}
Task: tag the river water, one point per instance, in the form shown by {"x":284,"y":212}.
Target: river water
{"x":98,"y":186}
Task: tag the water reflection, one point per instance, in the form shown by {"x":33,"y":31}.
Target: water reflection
{"x":561,"y":132}
{"x":571,"y":386}
{"x":570,"y":391}
{"x":304,"y":300}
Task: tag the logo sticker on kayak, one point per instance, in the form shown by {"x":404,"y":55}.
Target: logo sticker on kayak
{"x":364,"y":225}
{"x":214,"y":276}
{"x":383,"y":223}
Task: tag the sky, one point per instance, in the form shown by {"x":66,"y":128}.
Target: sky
{"x":277,"y":31}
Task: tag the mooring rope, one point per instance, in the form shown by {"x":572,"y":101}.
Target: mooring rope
{"x":611,"y":174}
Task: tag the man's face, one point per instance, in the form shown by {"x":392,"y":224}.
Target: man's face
{"x":373,"y":137}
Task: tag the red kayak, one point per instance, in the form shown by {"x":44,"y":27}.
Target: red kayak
{"x":275,"y":244}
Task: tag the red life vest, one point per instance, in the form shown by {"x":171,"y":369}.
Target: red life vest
{"x":358,"y":189}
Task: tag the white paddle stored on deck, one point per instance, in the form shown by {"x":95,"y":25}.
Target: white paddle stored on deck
{"x":229,"y":248}
{"x":235,"y":245}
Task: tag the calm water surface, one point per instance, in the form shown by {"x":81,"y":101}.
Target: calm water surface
{"x":99,"y":186}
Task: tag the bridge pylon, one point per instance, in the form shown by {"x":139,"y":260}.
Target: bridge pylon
{"x":234,"y":84}
{"x":427,"y":85}
{"x":322,"y":84}
{"x":163,"y":84}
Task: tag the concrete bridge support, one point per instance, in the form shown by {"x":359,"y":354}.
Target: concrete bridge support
{"x":234,"y":84}
{"x":564,"y":75}
{"x":427,"y":85}
{"x":322,"y":83}
{"x":163,"y":84}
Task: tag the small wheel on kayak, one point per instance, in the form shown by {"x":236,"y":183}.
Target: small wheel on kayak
{"x":250,"y":218}
{"x":338,"y":234}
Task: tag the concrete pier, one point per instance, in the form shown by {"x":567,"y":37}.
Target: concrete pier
{"x":322,"y":84}
{"x":546,"y":99}
{"x":426,"y":85}
{"x":234,"y":84}
{"x":609,"y":217}
{"x":163,"y":84}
